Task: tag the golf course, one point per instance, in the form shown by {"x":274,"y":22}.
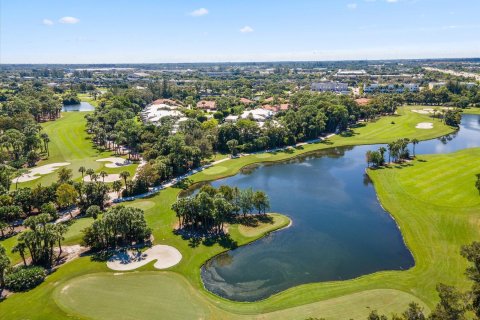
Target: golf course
{"x":436,"y":207}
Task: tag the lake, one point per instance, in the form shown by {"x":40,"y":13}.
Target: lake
{"x":340,"y":231}
{"x":82,"y":107}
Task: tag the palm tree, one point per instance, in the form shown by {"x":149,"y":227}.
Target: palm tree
{"x":124,"y":175}
{"x":90,"y":172}
{"x":20,"y":248}
{"x":60,"y":230}
{"x":414,"y":142}
{"x":45,"y":140}
{"x":82,"y":171}
{"x":382,"y":151}
{"x":103,"y":174}
{"x":117,"y":186}
{"x":94,"y":177}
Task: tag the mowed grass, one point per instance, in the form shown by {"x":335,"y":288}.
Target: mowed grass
{"x":165,"y":295}
{"x":69,"y":142}
{"x":315,"y":299}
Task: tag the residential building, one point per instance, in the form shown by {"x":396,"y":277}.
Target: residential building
{"x":337,"y":87}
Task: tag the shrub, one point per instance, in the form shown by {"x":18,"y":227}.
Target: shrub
{"x":24,"y":278}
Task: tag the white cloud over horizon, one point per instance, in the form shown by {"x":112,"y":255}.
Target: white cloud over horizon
{"x":69,"y":20}
{"x":199,"y":12}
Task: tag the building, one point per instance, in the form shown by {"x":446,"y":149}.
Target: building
{"x":207,"y":105}
{"x":337,"y":87}
{"x":390,"y":88}
{"x":154,"y":112}
{"x":246,"y":101}
{"x":351,"y":73}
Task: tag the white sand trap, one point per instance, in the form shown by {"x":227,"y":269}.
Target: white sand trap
{"x":110,"y":178}
{"x":424,"y":125}
{"x":37,"y":172}
{"x":114,"y":162}
{"x":166,"y":257}
{"x":424,"y":111}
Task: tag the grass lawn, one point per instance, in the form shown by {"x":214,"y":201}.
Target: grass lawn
{"x":434,"y":239}
{"x":472,"y":110}
{"x":71,"y":143}
{"x":88,"y":98}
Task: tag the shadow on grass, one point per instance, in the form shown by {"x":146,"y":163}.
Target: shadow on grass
{"x":198,"y":236}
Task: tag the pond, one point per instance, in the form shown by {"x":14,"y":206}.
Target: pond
{"x":82,"y":107}
{"x":340,"y":231}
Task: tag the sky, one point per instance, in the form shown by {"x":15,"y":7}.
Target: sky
{"x":161,"y":31}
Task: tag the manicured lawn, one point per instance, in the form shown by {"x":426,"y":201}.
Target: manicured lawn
{"x":156,"y":294}
{"x":88,"y":98}
{"x":472,"y":110}
{"x":433,"y":236}
{"x":69,"y":142}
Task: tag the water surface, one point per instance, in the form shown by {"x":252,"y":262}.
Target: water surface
{"x":339,"y":229}
{"x":82,"y":107}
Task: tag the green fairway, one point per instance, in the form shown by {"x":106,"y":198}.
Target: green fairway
{"x":433,"y":237}
{"x":69,"y":142}
{"x":157,"y":294}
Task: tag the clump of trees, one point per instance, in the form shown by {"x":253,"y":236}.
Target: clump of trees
{"x":39,"y":240}
{"x":397,"y":152}
{"x":70,"y":98}
{"x":211,"y":208}
{"x":453,"y":118}
{"x":22,"y":141}
{"x":119,"y":226}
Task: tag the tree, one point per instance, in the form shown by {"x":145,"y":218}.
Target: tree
{"x":90,"y":172}
{"x":414,"y":312}
{"x":472,"y":254}
{"x":4,"y":263}
{"x":93,"y":211}
{"x":414,"y":142}
{"x":233,"y":147}
{"x":103,"y":174}
{"x":66,"y":195}
{"x":64,"y":175}
{"x":117,"y":187}
{"x":82,"y":170}
{"x":118,"y":226}
{"x":261,"y":201}
{"x":452,"y":304}
{"x":124,"y":175}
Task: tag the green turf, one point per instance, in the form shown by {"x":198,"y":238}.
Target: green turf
{"x":69,"y":142}
{"x":426,"y":244}
{"x":161,"y":295}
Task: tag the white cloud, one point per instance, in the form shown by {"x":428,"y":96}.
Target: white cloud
{"x":352,"y":6}
{"x":246,"y":29}
{"x":392,"y":1}
{"x":69,"y":20}
{"x":47,"y":22}
{"x":199,"y":12}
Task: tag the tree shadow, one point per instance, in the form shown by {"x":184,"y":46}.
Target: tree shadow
{"x":196,"y":237}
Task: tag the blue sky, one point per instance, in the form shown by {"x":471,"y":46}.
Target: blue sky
{"x":121,"y":31}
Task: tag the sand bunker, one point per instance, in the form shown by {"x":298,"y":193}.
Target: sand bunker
{"x":110,"y":178}
{"x":37,"y":172}
{"x":424,"y":125}
{"x":115,"y":162}
{"x":166,"y":257}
